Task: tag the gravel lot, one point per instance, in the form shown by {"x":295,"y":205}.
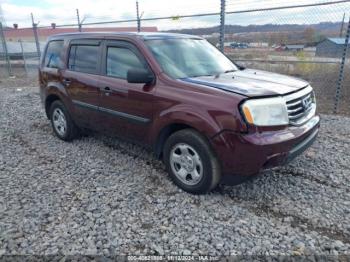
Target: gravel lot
{"x":100,"y":195}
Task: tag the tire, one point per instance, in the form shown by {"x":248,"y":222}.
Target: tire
{"x":190,"y":162}
{"x":60,"y":117}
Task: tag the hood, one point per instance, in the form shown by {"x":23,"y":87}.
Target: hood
{"x":251,"y":83}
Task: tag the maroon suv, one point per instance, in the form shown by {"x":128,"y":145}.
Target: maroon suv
{"x":206,"y":117}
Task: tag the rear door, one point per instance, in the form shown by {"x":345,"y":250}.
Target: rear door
{"x":81,"y":79}
{"x":127,"y":107}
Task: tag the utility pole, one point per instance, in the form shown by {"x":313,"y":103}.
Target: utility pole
{"x":35,"y":31}
{"x":4,"y":48}
{"x":78,"y":18}
{"x":342,"y":26}
{"x":341,"y":70}
{"x":138,"y":17}
{"x":222,"y":26}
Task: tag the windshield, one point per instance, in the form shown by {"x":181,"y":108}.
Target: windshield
{"x":182,"y":58}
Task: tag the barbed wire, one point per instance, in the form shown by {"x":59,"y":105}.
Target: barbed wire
{"x":320,"y":3}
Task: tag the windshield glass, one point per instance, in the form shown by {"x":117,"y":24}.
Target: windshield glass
{"x":182,"y":58}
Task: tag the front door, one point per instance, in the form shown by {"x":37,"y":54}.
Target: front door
{"x":127,"y":107}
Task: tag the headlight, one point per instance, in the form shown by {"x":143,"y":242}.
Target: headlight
{"x":266,"y":111}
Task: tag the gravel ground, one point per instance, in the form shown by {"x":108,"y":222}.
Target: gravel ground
{"x":100,"y":195}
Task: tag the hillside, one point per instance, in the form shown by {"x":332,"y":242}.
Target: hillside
{"x":232,"y":29}
{"x":272,"y":33}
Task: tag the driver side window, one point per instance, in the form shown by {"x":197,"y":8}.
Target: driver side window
{"x":120,"y":60}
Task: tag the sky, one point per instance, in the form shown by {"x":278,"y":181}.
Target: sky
{"x":64,"y":12}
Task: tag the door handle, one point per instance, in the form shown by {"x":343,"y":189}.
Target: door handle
{"x":66,"y":81}
{"x":106,"y":89}
{"x":118,"y":91}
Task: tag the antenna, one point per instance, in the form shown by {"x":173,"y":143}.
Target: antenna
{"x":2,"y":17}
{"x":342,"y":26}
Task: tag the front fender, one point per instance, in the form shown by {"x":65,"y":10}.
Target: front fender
{"x":201,"y":120}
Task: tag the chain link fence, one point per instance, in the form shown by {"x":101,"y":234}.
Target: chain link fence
{"x":18,"y":57}
{"x":307,"y":39}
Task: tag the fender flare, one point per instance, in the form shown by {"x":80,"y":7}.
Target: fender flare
{"x":55,"y":89}
{"x":180,"y":117}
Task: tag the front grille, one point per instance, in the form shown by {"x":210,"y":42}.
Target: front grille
{"x":298,"y":107}
{"x":301,"y":106}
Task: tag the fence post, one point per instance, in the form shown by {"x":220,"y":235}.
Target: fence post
{"x":35,"y":31}
{"x":23,"y":56}
{"x":138,"y":17}
{"x":4,"y":47}
{"x":222,"y":26}
{"x":341,"y":70}
{"x":78,"y":18}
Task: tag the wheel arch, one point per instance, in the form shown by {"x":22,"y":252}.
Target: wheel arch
{"x":48,"y":102}
{"x":56,"y":91}
{"x":170,"y":129}
{"x":181,"y":117}
{"x":165,"y":132}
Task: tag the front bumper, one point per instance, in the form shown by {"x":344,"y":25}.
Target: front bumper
{"x":247,"y":154}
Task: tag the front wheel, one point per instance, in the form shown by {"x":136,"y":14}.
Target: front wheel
{"x":191,"y":162}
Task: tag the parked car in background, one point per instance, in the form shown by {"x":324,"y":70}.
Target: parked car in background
{"x":280,"y":48}
{"x":239,"y":45}
{"x":209,"y":119}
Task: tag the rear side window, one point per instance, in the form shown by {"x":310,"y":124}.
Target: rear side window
{"x":83,"y":58}
{"x":53,"y":54}
{"x":120,"y":60}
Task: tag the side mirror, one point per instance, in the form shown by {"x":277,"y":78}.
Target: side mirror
{"x":139,"y":76}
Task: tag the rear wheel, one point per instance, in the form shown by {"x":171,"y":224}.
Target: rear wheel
{"x":191,"y":162}
{"x":62,"y":122}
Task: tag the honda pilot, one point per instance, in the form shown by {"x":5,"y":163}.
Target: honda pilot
{"x":207,"y":118}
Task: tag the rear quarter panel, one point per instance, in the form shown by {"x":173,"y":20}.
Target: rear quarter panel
{"x":50,"y":79}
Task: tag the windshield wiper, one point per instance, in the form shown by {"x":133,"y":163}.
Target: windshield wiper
{"x":203,"y":75}
{"x":225,"y":72}
{"x":216,"y":75}
{"x":230,"y":71}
